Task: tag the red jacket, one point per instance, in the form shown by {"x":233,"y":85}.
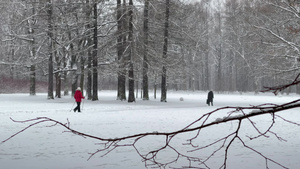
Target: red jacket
{"x":78,"y":96}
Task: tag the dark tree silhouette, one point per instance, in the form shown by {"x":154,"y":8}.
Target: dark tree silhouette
{"x":145,"y":59}
{"x":131,"y":97}
{"x":50,"y":49}
{"x":165,"y":52}
{"x":95,"y":53}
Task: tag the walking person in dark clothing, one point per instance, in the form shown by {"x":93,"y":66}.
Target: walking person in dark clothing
{"x":78,"y":96}
{"x":210,"y":98}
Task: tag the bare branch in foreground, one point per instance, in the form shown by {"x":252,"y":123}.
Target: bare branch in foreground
{"x":223,"y":144}
{"x":278,"y":89}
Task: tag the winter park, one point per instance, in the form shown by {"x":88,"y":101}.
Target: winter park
{"x":43,"y":146}
{"x":133,"y":84}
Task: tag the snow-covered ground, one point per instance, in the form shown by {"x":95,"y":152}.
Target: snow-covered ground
{"x":44,"y":147}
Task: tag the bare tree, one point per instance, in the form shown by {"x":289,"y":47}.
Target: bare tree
{"x":120,"y":50}
{"x":50,"y":48}
{"x":258,"y":44}
{"x":145,"y":59}
{"x":165,"y":52}
{"x":131,"y":97}
{"x":95,"y":52}
{"x":89,"y":52}
{"x":31,"y":23}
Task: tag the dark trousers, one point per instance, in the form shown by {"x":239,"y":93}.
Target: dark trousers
{"x":78,"y":107}
{"x":210,"y":102}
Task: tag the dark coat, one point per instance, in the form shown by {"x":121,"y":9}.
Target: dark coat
{"x":210,"y":96}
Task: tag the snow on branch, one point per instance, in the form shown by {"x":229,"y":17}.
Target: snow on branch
{"x":291,"y":44}
{"x":277,"y":89}
{"x":289,"y":7}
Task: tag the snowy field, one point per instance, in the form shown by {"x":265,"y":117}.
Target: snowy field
{"x":44,"y":147}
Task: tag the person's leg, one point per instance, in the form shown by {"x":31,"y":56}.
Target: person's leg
{"x":75,"y":109}
{"x":78,"y":106}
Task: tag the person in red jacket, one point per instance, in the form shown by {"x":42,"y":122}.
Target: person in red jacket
{"x":78,"y":96}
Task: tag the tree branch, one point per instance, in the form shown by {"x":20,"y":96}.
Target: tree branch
{"x":277,"y":89}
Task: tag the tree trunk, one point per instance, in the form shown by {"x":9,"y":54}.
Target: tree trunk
{"x":207,"y":85}
{"x":89,"y":52}
{"x":89,"y":76}
{"x":58,"y":71}
{"x":145,"y":61}
{"x":95,"y":53}
{"x":74,"y":75}
{"x":65,"y":74}
{"x":50,"y":50}
{"x":81,"y":82}
{"x":32,"y":75}
{"x":58,"y":85}
{"x":155,"y":85}
{"x":131,"y":97}
{"x":165,"y":50}
{"x":32,"y":80}
{"x":120,"y":52}
{"x":219,"y":78}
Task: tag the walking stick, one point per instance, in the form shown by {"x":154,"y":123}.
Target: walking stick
{"x":82,"y":105}
{"x":72,"y":107}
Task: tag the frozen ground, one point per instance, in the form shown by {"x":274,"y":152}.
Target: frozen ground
{"x":44,"y":147}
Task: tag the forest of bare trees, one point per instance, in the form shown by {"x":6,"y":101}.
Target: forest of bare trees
{"x":143,"y":45}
